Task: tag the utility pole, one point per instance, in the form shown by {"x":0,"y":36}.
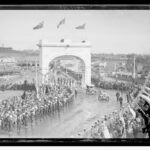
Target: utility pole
{"x":36,"y":84}
{"x":134,"y":67}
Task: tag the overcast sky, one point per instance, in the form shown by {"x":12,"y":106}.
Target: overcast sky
{"x":109,"y":31}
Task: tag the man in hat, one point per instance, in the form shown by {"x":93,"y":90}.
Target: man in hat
{"x":128,"y":97}
{"x":117,"y":96}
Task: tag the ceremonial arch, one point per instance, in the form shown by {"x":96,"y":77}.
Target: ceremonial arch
{"x":50,"y":51}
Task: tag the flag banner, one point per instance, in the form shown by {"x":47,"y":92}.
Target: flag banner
{"x":39,"y":26}
{"x":81,"y":26}
{"x":61,"y":22}
{"x":105,"y":130}
{"x":132,"y":111}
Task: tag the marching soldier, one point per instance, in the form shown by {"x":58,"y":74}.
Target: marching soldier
{"x":121,"y":101}
{"x":117,"y":96}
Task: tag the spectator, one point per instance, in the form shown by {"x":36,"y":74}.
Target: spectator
{"x":121,"y":101}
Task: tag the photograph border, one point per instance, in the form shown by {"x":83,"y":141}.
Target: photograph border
{"x":72,"y":141}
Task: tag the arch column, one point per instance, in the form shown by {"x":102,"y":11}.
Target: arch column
{"x":88,"y":71}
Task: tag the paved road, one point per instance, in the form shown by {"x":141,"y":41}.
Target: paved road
{"x":81,"y":115}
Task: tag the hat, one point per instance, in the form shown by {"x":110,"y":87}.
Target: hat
{"x":105,"y":118}
{"x":138,"y":119}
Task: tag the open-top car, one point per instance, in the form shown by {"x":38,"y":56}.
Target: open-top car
{"x":103,"y":96}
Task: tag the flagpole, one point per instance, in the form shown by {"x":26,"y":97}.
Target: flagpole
{"x":84,"y":30}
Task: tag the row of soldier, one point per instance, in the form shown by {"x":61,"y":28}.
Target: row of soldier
{"x":62,"y":81}
{"x":18,"y":111}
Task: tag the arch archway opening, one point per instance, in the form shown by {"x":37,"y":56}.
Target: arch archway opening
{"x":67,"y":66}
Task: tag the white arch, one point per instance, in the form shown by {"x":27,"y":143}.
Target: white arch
{"x":49,"y":51}
{"x":71,"y":56}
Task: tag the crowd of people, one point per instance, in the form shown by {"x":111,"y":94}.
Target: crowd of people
{"x":8,"y":73}
{"x":31,"y":86}
{"x":17,"y":86}
{"x":10,"y":83}
{"x":71,"y":73}
{"x":114,"y":85}
{"x":125,"y":123}
{"x":48,"y":100}
{"x":131,"y":121}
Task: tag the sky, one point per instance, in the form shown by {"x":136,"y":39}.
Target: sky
{"x":109,"y":31}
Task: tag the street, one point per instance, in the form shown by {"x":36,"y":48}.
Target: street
{"x":71,"y":121}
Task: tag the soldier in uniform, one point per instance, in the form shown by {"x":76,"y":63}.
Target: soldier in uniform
{"x":121,"y":101}
{"x":76,"y":92}
{"x":117,"y":96}
{"x":128,"y":97}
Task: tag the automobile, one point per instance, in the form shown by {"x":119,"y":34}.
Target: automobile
{"x":103,"y":96}
{"x":90,"y":90}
